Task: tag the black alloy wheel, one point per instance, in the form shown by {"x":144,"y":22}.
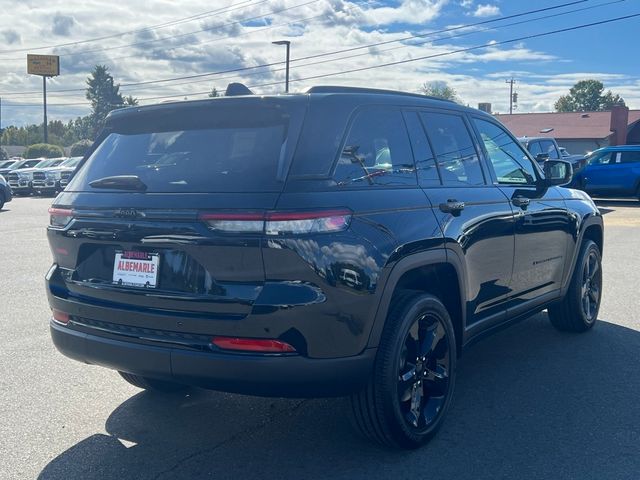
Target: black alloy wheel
{"x":591,"y":286}
{"x":423,"y":377}
{"x":411,"y":387}
{"x":578,"y":310}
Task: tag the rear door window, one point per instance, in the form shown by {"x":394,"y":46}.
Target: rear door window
{"x":630,"y":157}
{"x":457,"y":158}
{"x":424,"y":157}
{"x":214,"y":150}
{"x":376,"y":151}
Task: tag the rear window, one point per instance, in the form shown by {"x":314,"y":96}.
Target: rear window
{"x":221,"y":149}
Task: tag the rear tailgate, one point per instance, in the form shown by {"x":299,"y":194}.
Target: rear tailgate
{"x":198,"y":270}
{"x":132,"y":230}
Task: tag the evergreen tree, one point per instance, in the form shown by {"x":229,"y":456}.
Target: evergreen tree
{"x":104,"y":96}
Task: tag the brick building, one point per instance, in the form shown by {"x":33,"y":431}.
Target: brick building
{"x":578,"y":132}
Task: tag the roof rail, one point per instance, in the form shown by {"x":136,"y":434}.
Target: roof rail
{"x":378,"y":91}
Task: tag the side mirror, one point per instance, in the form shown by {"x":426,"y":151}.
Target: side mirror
{"x":557,"y":172}
{"x":542,"y":157}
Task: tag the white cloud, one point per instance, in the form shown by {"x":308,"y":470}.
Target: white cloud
{"x":409,"y":11}
{"x":317,"y":28}
{"x":486,"y":10}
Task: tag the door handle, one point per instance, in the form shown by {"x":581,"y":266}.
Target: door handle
{"x":452,"y":206}
{"x":521,"y":202}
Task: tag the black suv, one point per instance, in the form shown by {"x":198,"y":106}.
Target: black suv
{"x":343,"y":241}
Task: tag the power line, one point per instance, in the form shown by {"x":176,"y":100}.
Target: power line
{"x":191,"y":18}
{"x":424,"y":35}
{"x":181,"y":35}
{"x":399,"y":62}
{"x":462,"y":50}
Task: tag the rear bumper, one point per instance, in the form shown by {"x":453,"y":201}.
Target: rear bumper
{"x":264,"y":375}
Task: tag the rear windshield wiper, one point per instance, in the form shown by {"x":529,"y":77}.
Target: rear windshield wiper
{"x":120,"y":182}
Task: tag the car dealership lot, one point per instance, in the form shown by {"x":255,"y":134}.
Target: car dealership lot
{"x":530,"y":402}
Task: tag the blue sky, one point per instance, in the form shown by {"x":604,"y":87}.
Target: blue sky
{"x":238,"y":34}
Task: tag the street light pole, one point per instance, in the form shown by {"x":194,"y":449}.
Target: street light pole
{"x":44,"y":95}
{"x":288,"y":45}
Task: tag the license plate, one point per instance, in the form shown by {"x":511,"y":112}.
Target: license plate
{"x":136,"y":269}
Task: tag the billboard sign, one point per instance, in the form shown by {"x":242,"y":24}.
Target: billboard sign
{"x":45,"y":65}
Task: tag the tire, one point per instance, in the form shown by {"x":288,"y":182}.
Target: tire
{"x":404,"y":403}
{"x":578,"y":310}
{"x":152,"y":384}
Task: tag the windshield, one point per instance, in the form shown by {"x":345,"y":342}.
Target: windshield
{"x":71,"y":162}
{"x":7,"y":164}
{"x":50,"y":162}
{"x":221,"y":150}
{"x":28,"y":164}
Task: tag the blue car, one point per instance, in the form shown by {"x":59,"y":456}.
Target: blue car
{"x":611,"y":172}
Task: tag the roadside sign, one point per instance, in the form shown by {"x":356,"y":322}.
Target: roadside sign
{"x":45,"y":65}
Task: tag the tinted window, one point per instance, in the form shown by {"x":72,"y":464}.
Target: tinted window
{"x":549,"y":148}
{"x":534,"y":148}
{"x":508,"y":159}
{"x":424,"y":158}
{"x":376,"y":150}
{"x":456,"y":155}
{"x":219,"y":150}
{"x":29,"y":164}
{"x":603,"y":158}
{"x":630,"y":157}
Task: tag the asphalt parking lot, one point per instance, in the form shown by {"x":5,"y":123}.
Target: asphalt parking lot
{"x":531,"y":403}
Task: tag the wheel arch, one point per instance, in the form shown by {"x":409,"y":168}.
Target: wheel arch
{"x":592,"y":228}
{"x":439,"y":273}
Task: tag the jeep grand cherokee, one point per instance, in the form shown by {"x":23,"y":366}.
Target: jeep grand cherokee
{"x":343,"y":241}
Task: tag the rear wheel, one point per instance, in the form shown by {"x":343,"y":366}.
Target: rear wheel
{"x":152,"y":384}
{"x":578,"y":310}
{"x":410,"y":389}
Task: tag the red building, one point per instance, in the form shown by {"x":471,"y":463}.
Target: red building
{"x":578,"y":132}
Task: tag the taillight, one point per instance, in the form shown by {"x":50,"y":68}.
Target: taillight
{"x":235,"y":222}
{"x":279,"y":223}
{"x":60,"y":217}
{"x":252,"y":345}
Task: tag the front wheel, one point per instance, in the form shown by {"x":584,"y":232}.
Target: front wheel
{"x":411,"y":387}
{"x":578,"y":310}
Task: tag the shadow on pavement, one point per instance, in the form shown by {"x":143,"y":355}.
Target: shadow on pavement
{"x":531,"y":403}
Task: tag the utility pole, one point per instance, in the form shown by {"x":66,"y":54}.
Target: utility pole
{"x":511,"y":81}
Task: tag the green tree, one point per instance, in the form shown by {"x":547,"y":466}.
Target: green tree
{"x":588,"y":96}
{"x":130,"y":101}
{"x":78,"y":149}
{"x":43,"y":150}
{"x":214,"y":93}
{"x":439,"y":89}
{"x":104,"y":96}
